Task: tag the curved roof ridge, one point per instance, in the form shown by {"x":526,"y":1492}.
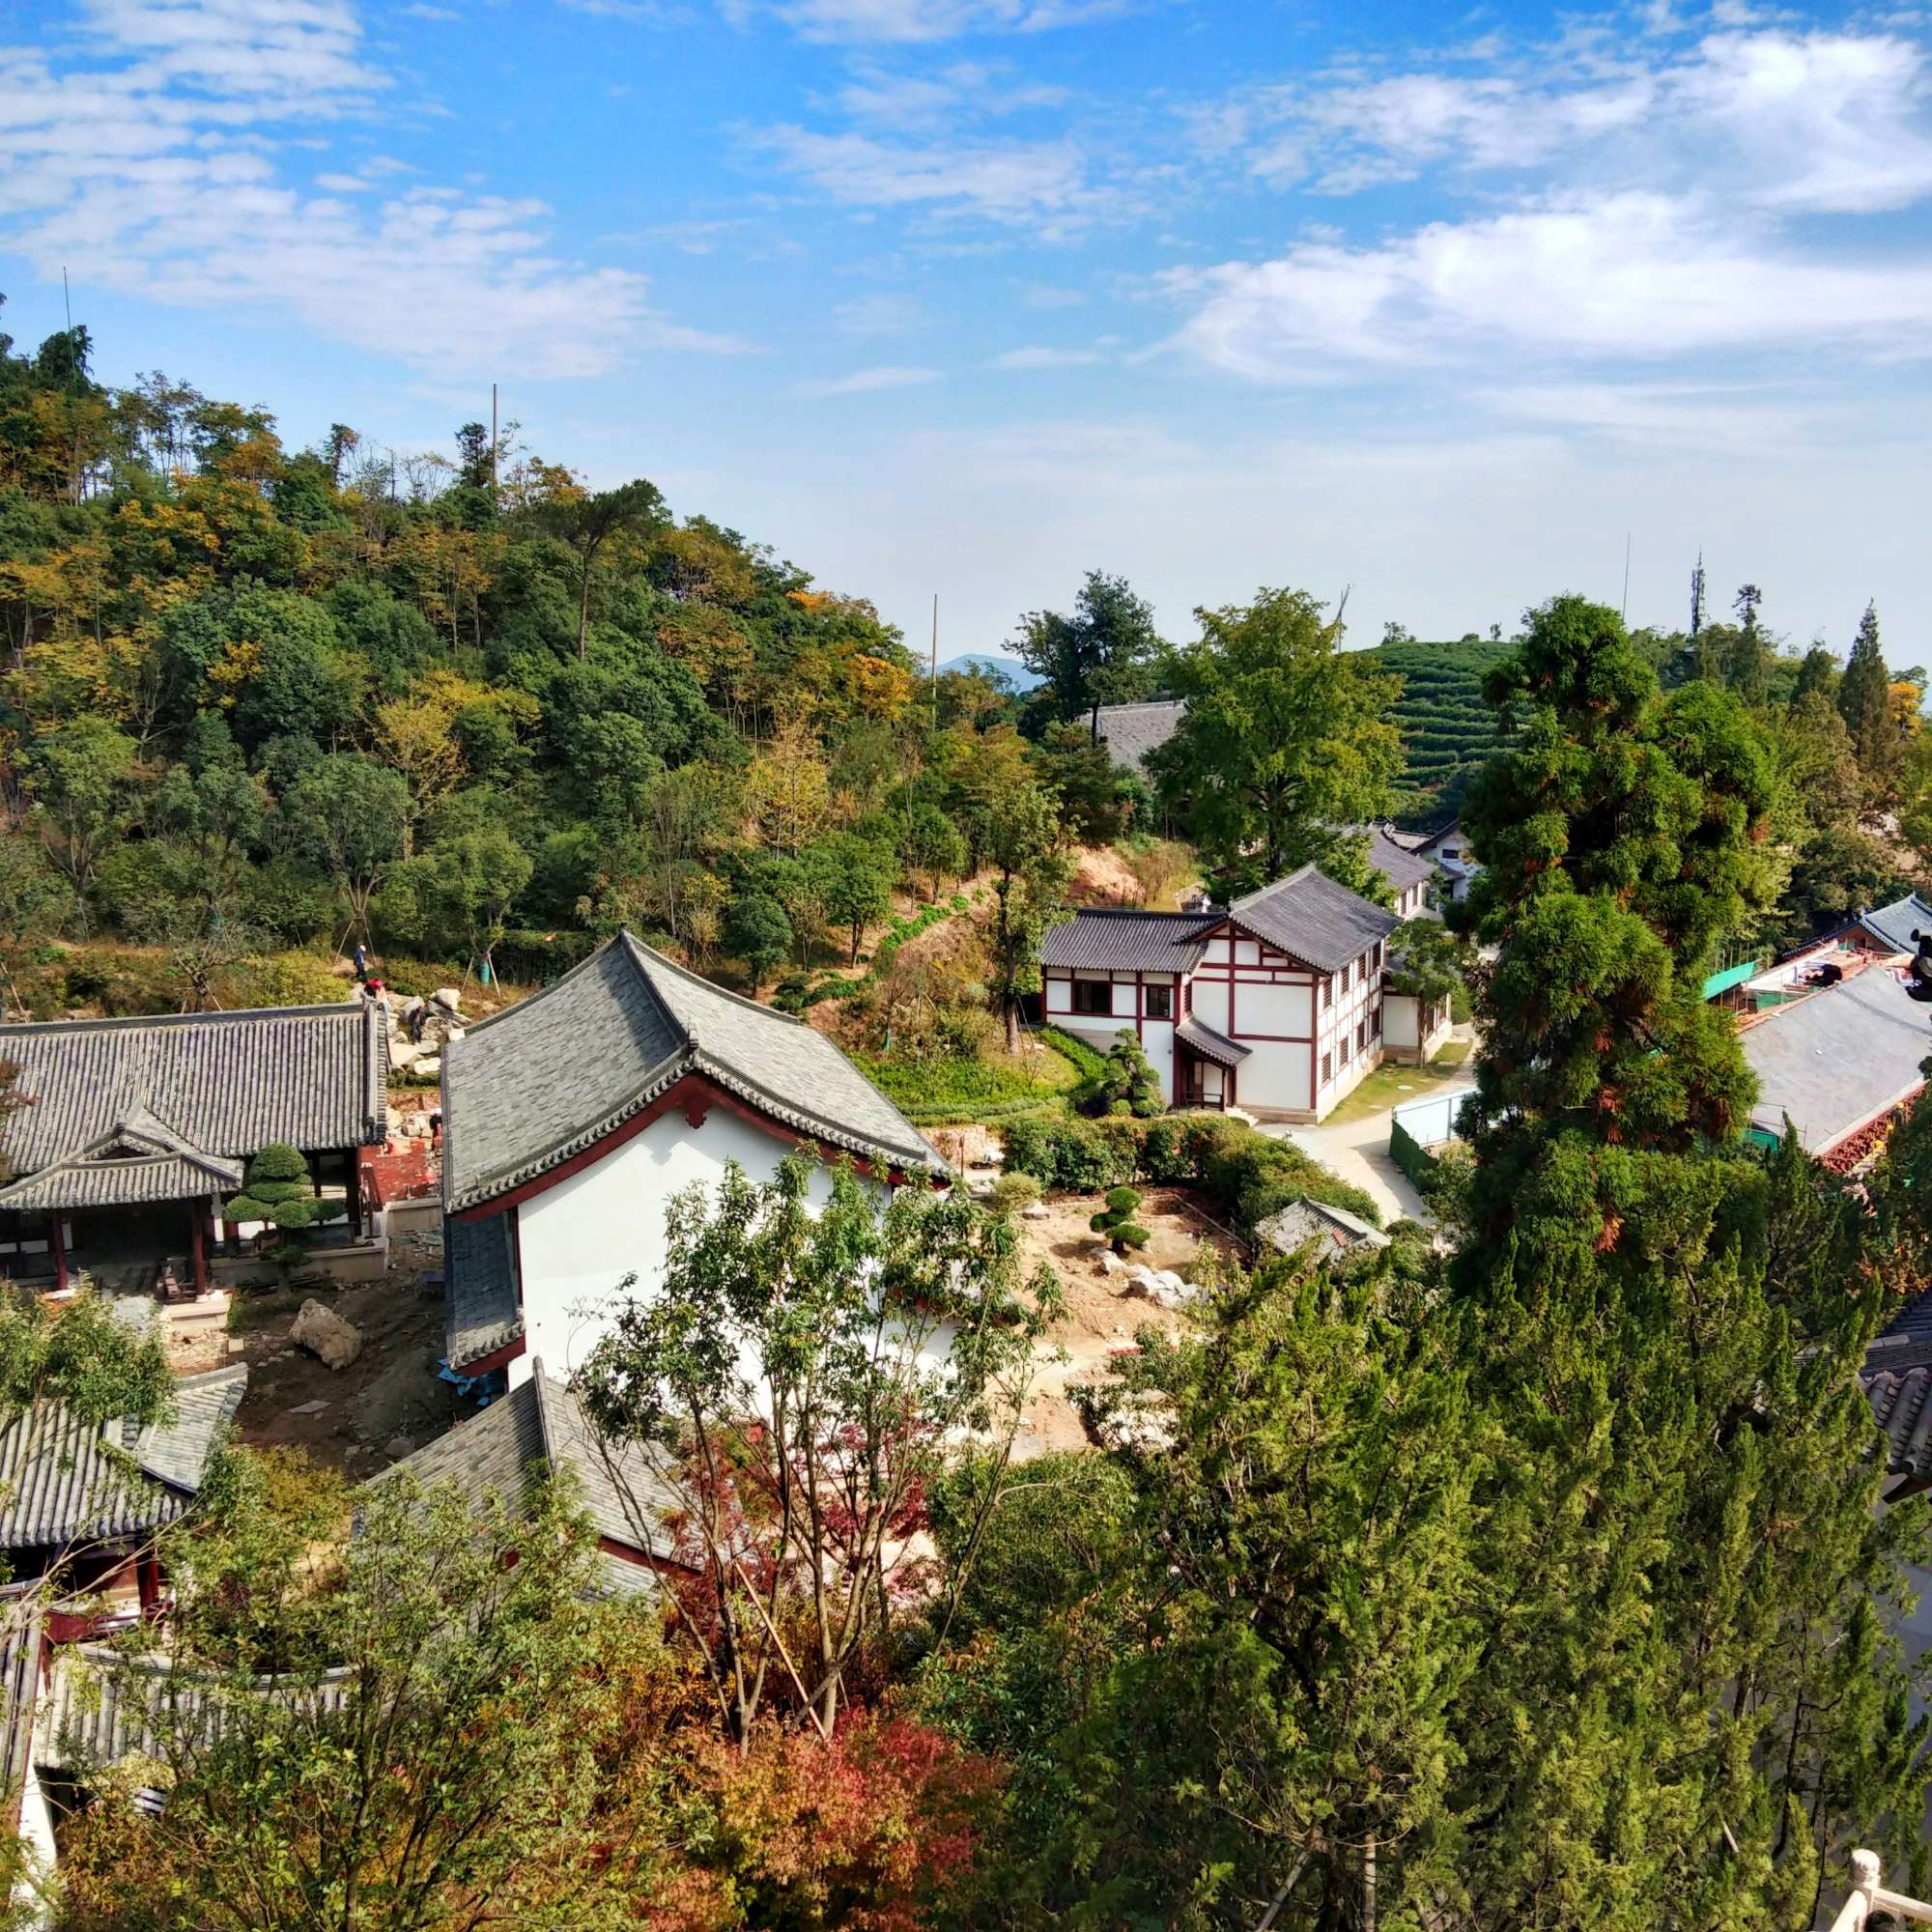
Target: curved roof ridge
{"x":638,"y":952}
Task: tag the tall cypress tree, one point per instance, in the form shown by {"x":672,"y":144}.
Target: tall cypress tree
{"x":1865,"y":703}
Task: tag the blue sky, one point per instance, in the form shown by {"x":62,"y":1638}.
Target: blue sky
{"x":971,"y":295}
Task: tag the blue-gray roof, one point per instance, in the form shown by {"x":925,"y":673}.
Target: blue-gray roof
{"x":1894,"y":924}
{"x":548,"y":1078}
{"x":1308,"y":915}
{"x":1115,"y":939}
{"x":1838,"y":1058}
{"x":189,"y":1095}
{"x":66,"y":1481}
{"x":479,"y":1270}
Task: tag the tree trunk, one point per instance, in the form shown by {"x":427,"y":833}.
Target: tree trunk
{"x":583,"y":606}
{"x":1012,"y":1024}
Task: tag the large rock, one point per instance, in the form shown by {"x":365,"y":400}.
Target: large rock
{"x":429,"y":1067}
{"x":404,"y":1053}
{"x":324,"y":1334}
{"x":448,"y":999}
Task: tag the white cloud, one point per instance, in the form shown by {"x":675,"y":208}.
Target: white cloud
{"x":998,"y":180}
{"x":1630,"y":275}
{"x":148,"y":152}
{"x":924,"y":19}
{"x":1654,"y":216}
{"x":1036,"y":356}
{"x":866,"y":382}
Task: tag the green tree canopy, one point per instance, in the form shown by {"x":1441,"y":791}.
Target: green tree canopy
{"x":1285,"y":739}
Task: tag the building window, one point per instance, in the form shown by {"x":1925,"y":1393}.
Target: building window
{"x":1345,"y":1049}
{"x":1327,"y":1067}
{"x":1375,"y":958}
{"x":1160,"y":1003}
{"x":1328,"y":992}
{"x":1376,"y":1020}
{"x":1361,"y":1034}
{"x":1093,"y":995}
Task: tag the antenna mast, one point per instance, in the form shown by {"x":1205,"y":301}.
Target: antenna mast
{"x":492,"y":442}
{"x":1625,"y":613}
{"x":935,"y":661}
{"x":1698,"y":598}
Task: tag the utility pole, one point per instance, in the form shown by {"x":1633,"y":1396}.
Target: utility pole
{"x":493,"y":444}
{"x":935,"y":661}
{"x":1625,"y":611}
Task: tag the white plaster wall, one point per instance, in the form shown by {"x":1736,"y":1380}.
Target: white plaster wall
{"x":582,"y":1238}
{"x":1400,"y":1014}
{"x":1270,"y":1009}
{"x":1210,"y":1004}
{"x":1275,"y":1075}
{"x":1157,"y":1043}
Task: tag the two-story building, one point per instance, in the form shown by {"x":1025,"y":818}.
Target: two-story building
{"x":1272,"y":1004}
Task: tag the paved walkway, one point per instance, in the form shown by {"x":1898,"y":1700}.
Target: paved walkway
{"x":1357,"y":1151}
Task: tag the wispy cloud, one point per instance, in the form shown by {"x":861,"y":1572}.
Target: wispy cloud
{"x":149,"y":155}
{"x":866,"y":382}
{"x":1041,"y":357}
{"x":914,"y":20}
{"x":997,"y":180}
{"x":880,"y":314}
{"x":929,"y":99}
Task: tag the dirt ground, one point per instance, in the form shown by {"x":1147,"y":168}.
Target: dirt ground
{"x":387,"y":1397}
{"x":1102,"y":1318}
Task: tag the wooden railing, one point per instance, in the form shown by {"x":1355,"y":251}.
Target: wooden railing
{"x":1867,"y":1896}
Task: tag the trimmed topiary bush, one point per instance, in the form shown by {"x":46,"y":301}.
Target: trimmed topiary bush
{"x":277,"y":1190}
{"x":1116,"y":1223}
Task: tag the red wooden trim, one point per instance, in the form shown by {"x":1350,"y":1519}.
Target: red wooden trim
{"x":1277,"y":1039}
{"x":59,"y":1246}
{"x":643,"y":1559}
{"x":517,"y":1250}
{"x":496,"y":1358}
{"x":688,"y":1093}
{"x":197,"y":1249}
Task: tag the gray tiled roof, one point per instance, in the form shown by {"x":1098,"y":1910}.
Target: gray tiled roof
{"x":197,"y":1085}
{"x":102,"y":1705}
{"x":1894,"y":924}
{"x":1131,"y":731}
{"x":537,"y":1426}
{"x":1401,"y":866}
{"x":1105,"y":939}
{"x":1897,"y":1378}
{"x":1333,"y":1228}
{"x":20,"y":1691}
{"x":1836,"y":1059}
{"x":479,"y":1268}
{"x":66,"y":1481}
{"x":525,"y":1091}
{"x":1210,"y":1044}
{"x":1310,"y":917}
{"x":111,"y":1175}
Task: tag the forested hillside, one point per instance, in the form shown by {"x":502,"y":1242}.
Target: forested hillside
{"x":259,"y":698}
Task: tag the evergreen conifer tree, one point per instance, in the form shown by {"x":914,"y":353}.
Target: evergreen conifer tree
{"x":1865,"y":703}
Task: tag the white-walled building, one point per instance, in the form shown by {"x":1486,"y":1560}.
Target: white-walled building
{"x":1272,"y":1004}
{"x":572,"y":1118}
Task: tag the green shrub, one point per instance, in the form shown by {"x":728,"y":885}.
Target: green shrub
{"x":1092,"y":1064}
{"x":1128,"y":1237}
{"x":1013,"y":1191}
{"x":1116,"y":1222}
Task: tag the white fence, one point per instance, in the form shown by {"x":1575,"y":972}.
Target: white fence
{"x":1432,"y":1119}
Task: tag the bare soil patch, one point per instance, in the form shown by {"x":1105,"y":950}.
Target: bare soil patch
{"x":1101,"y":1317}
{"x":389,"y":1392}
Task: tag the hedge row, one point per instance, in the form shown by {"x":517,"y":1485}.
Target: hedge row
{"x":1250,"y":1174}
